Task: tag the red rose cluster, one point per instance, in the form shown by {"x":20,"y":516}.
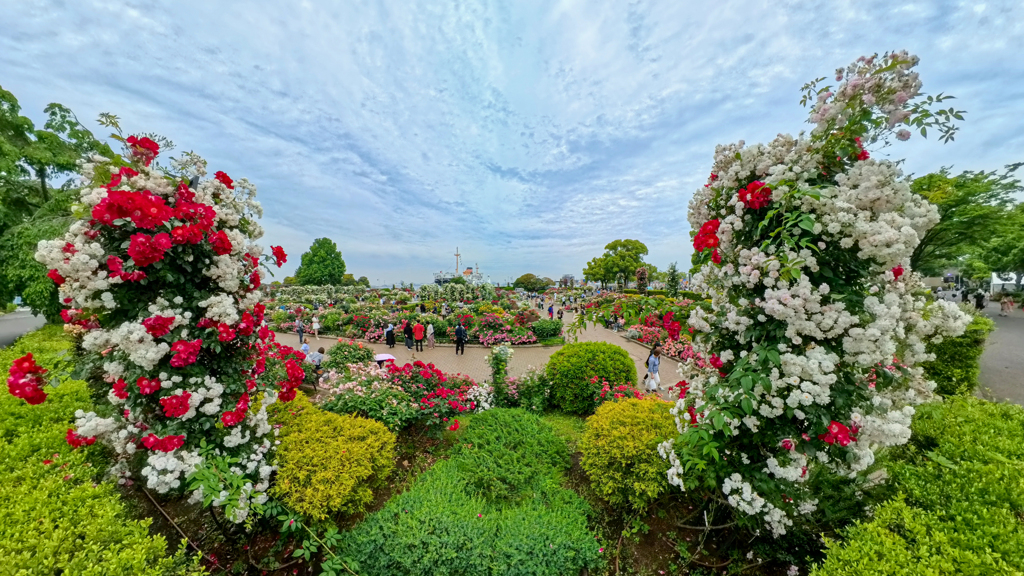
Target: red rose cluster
{"x":707,"y":236}
{"x":671,"y":326}
{"x":145,"y":249}
{"x":295,"y":377}
{"x":232,"y":417}
{"x":144,"y":148}
{"x":166,"y":444}
{"x":158,"y":326}
{"x":116,"y":266}
{"x":25,"y":380}
{"x":76,"y":440}
{"x":147,"y":386}
{"x":177,"y":405}
{"x":838,"y":433}
{"x":186,"y":352}
{"x":756,"y":195}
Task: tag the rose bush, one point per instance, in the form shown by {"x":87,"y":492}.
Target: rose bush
{"x":161,"y":269}
{"x":816,"y":324}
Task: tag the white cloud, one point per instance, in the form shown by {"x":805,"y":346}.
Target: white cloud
{"x":529,"y":134}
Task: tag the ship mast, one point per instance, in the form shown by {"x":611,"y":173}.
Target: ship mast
{"x":457,"y":260}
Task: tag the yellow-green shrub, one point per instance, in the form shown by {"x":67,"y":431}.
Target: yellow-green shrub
{"x":620,"y":454}
{"x":53,"y":518}
{"x":329,"y":463}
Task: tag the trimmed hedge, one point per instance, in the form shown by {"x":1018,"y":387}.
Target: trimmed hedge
{"x":955,"y":368}
{"x":547,"y":328}
{"x":329,"y":463}
{"x":53,"y":518}
{"x":620,"y":451}
{"x":455,"y":521}
{"x":961,"y":484}
{"x":571,"y":369}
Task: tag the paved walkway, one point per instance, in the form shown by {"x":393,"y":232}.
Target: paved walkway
{"x":474,"y":365}
{"x":1002,"y":363}
{"x":17,"y":323}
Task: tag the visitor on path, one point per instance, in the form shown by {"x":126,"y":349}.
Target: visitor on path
{"x":407,"y":332}
{"x":653,"y":379}
{"x":418,"y":331}
{"x":979,"y":301}
{"x":460,"y":339}
{"x":300,"y":327}
{"x":389,"y":335}
{"x":430,"y":335}
{"x":316,"y":326}
{"x":551,"y":312}
{"x":964,"y":295}
{"x":423,"y":308}
{"x":305,"y":349}
{"x":559,"y":313}
{"x":1006,"y":305}
{"x":316,"y":357}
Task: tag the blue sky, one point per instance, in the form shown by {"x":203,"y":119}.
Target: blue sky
{"x":527,"y":133}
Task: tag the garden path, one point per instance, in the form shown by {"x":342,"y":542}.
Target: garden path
{"x":1002,"y":364}
{"x":474,"y":363}
{"x":16,"y":324}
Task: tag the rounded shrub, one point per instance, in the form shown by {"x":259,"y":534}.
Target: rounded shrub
{"x":620,"y":451}
{"x":547,"y":328}
{"x":344,"y":353}
{"x":572,"y":369}
{"x":330,"y":463}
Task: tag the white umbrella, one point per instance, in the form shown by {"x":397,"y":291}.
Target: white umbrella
{"x":383,"y":357}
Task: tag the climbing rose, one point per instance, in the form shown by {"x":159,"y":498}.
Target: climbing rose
{"x":55,"y":276}
{"x":756,"y":195}
{"x":158,"y":326}
{"x":224,"y":179}
{"x":146,"y":250}
{"x":144,"y":148}
{"x":716,"y":257}
{"x":279,"y":255}
{"x":454,"y":426}
{"x":76,"y":440}
{"x":231,"y":417}
{"x":186,"y":352}
{"x":221,"y":244}
{"x":147,"y":386}
{"x":121,"y":389}
{"x":177,"y":405}
{"x":165,"y":444}
{"x":25,"y":380}
{"x":897,"y":272}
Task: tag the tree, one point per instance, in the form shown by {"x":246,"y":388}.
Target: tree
{"x":672,"y":280}
{"x":31,"y":208}
{"x":290,"y":281}
{"x":531,"y":283}
{"x":972,"y":208}
{"x":621,"y":257}
{"x":322,"y":265}
{"x":595,"y":272}
{"x":363,"y":281}
{"x":1003,"y":253}
{"x":458,"y":280}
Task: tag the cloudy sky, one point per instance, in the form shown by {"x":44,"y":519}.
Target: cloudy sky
{"x":526,"y":133}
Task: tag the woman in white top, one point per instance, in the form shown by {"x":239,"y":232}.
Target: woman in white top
{"x":430,"y":335}
{"x":316,"y":325}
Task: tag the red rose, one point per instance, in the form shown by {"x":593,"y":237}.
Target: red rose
{"x":177,"y":405}
{"x":454,"y":426}
{"x":56,"y":277}
{"x":158,"y":326}
{"x":185,"y":352}
{"x":148,"y":211}
{"x":279,"y":255}
{"x":165,"y":444}
{"x":231,"y":417}
{"x":254,"y":280}
{"x":147,"y":386}
{"x":201,"y":215}
{"x":897,"y":272}
{"x":183,"y":193}
{"x":756,"y":195}
{"x":225,"y":333}
{"x":220,"y":243}
{"x":121,"y":389}
{"x":143,"y":148}
{"x":224,"y":179}
{"x":245,"y":325}
{"x":186,"y":234}
{"x":76,"y":440}
{"x":287,"y":395}
{"x":146,"y":250}
{"x":716,"y":257}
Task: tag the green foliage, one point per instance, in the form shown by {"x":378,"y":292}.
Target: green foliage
{"x":508,"y":454}
{"x":619,"y":262}
{"x":531,"y":283}
{"x":672,"y":280}
{"x":329,"y":463}
{"x":547,"y":328}
{"x":973,"y":206}
{"x":961,"y":484}
{"x":620,"y":452}
{"x":955,"y":368}
{"x":571,"y":369}
{"x":343,"y":353}
{"x":498,"y":360}
{"x":54,"y":518}
{"x":532,"y":391}
{"x":389,"y":405}
{"x":451,"y":524}
{"x":322,"y":265}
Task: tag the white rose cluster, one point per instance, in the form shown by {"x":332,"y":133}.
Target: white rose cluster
{"x":823,"y":308}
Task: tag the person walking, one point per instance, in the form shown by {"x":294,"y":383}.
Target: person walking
{"x":979,"y":300}
{"x":300,"y":327}
{"x":560,"y":313}
{"x":460,"y":339}
{"x":653,"y":379}
{"x":389,"y":335}
{"x":551,"y":312}
{"x":430,"y":335}
{"x":418,"y":332}
{"x":407,"y":332}
{"x":316,"y":325}
{"x":423,"y":308}
{"x":1006,"y":305}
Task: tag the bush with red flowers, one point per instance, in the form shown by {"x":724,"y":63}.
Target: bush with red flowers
{"x":161,"y":271}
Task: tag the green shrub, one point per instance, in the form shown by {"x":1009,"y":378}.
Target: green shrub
{"x":509,"y":454}
{"x":387,"y":404}
{"x":961,"y":484}
{"x":452,"y":521}
{"x":330,"y":322}
{"x":547,"y":328}
{"x":955,"y":368}
{"x":695,"y":296}
{"x":343,"y":353}
{"x":330,"y":463}
{"x":572,"y":368}
{"x":620,"y":451}
{"x":530,"y":391}
{"x":53,"y":518}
